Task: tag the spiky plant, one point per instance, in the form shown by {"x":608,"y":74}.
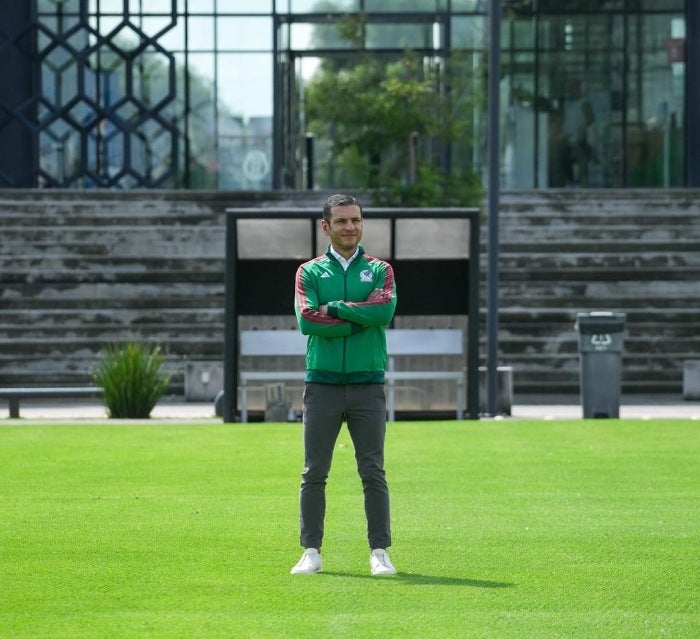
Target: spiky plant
{"x":132,"y":379}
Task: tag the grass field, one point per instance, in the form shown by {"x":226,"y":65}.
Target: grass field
{"x":501,"y":529}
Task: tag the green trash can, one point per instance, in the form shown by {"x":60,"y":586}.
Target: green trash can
{"x":601,"y":337}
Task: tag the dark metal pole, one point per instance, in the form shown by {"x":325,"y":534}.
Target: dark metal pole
{"x":413,"y":157}
{"x":230,"y":400}
{"x":493,"y":193}
{"x":310,"y":161}
{"x":692,"y":95}
{"x":473,"y":320}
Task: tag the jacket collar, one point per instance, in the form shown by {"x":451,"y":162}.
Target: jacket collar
{"x":331,"y":252}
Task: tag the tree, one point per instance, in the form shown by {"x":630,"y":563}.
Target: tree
{"x":391,"y":123}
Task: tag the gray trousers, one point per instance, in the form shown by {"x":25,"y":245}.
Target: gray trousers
{"x":326,"y":406}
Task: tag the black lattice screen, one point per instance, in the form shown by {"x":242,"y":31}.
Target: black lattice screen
{"x":94,"y":103}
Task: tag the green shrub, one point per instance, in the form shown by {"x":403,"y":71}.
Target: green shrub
{"x":432,"y":188}
{"x":132,"y":380}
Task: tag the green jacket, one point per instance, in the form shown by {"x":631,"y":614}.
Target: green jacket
{"x":347,"y":345}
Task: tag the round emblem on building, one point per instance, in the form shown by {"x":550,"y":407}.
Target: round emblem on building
{"x":256,"y":165}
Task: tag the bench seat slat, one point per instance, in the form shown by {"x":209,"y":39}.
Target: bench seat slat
{"x":13,"y":395}
{"x":59,"y":391}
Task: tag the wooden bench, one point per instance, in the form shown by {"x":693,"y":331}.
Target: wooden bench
{"x":400,"y":342}
{"x":14,"y":395}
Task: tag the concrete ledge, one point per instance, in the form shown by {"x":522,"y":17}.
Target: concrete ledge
{"x":203,"y":380}
{"x":691,"y":379}
{"x":504,"y":402}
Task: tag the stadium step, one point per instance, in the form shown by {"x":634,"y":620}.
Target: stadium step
{"x":81,"y":270}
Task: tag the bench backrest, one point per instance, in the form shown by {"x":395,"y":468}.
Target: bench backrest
{"x":424,"y":341}
{"x":399,"y":341}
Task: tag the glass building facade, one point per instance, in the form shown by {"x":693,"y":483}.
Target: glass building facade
{"x":211,"y":94}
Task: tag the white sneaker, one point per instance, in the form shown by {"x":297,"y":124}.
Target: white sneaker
{"x":309,"y":563}
{"x":380,"y":564}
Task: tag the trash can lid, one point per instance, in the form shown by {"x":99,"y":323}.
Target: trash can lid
{"x":600,"y":322}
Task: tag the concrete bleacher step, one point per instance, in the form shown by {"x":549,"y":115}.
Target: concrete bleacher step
{"x":80,"y":270}
{"x":563,"y":252}
{"x":83,"y":270}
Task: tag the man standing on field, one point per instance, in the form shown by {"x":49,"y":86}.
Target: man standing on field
{"x":343,"y":301}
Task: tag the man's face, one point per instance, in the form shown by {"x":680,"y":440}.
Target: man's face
{"x":344,"y":228}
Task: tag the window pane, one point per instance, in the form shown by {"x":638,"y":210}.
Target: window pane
{"x":245,"y":83}
{"x":399,"y":36}
{"x":199,"y":7}
{"x":243,"y":6}
{"x":581,"y":104}
{"x":149,"y":6}
{"x":469,"y":33}
{"x":468,"y":5}
{"x":318,"y":36}
{"x":322,"y":6}
{"x":655,"y":102}
{"x":519,"y":126}
{"x":407,"y":5}
{"x":202,"y":118}
{"x":301,"y":36}
{"x":581,"y":84}
{"x":244,"y":34}
{"x":245,"y":120}
{"x":581,"y":33}
{"x":520,"y":33}
{"x":200,"y":33}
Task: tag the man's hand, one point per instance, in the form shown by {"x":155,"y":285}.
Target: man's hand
{"x":323,"y":308}
{"x":379,"y":296}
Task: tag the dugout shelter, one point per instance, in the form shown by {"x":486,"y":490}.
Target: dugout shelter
{"x":434,"y":253}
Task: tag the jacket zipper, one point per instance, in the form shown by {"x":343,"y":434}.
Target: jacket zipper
{"x":345,"y":297}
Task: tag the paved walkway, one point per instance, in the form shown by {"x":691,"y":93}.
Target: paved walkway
{"x":671,"y":407}
{"x":545,"y":407}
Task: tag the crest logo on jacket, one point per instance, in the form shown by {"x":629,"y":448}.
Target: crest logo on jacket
{"x":366,"y":275}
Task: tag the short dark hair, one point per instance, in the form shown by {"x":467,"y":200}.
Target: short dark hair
{"x":339,"y":199}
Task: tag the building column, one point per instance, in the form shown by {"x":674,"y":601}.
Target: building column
{"x":18,"y":142}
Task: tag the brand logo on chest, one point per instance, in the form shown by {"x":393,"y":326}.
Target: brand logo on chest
{"x":366,"y":275}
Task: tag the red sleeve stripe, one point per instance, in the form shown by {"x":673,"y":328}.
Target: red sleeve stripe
{"x":302,"y":303}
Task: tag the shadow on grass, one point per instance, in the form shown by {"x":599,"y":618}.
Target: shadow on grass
{"x":414,"y":579}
